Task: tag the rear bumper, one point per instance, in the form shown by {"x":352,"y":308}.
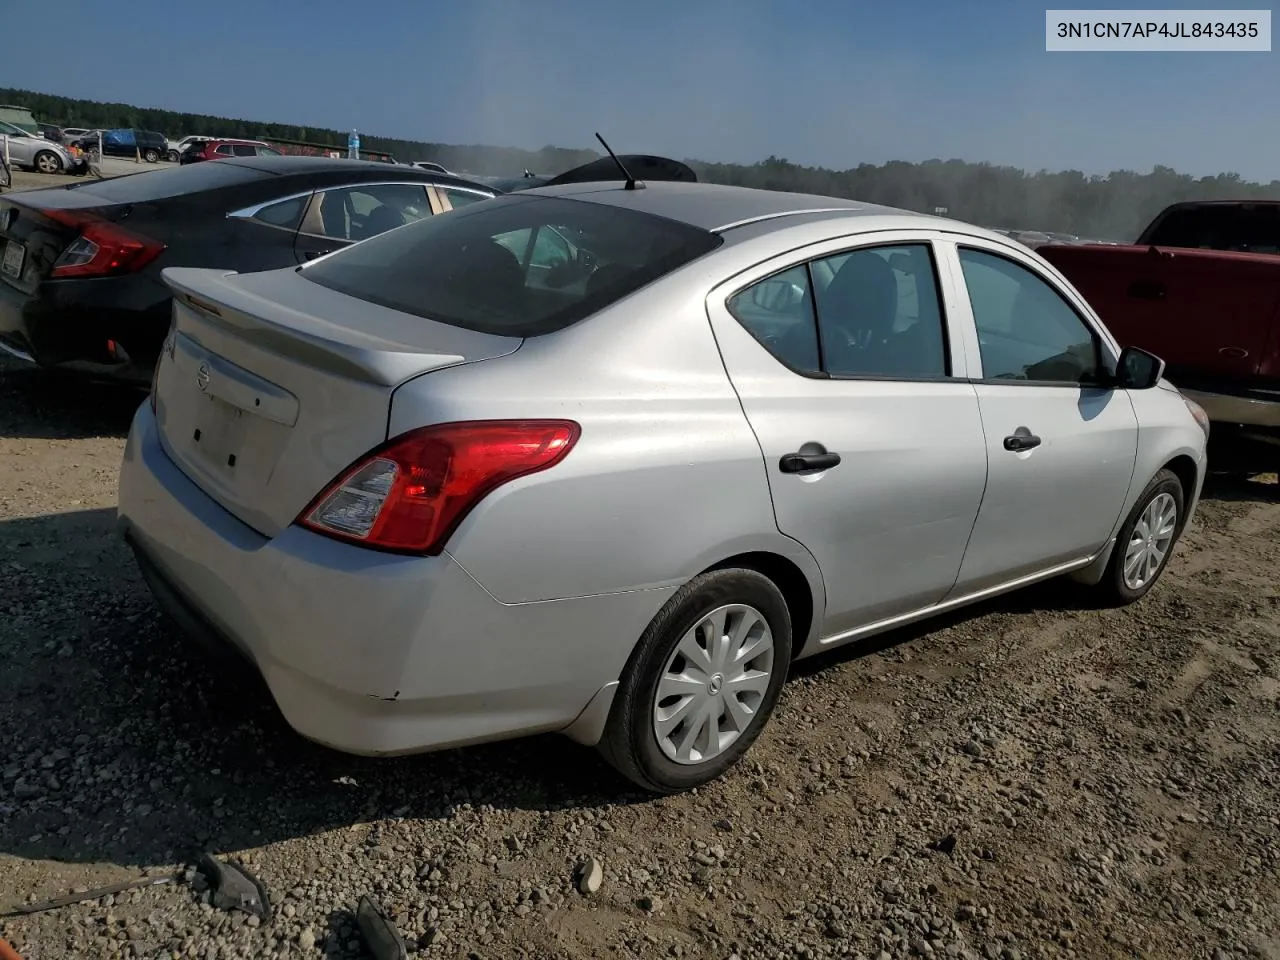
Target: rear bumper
{"x":365,"y":652}
{"x":78,"y":336}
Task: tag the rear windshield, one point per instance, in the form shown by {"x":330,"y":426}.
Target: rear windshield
{"x":1248,"y":229}
{"x":162,"y":184}
{"x":515,"y":266}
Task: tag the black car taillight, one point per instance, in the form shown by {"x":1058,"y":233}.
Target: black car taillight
{"x":103,"y":249}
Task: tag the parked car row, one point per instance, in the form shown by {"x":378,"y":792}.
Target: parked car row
{"x":598,"y":456}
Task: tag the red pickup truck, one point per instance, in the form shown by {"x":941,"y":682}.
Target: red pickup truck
{"x":1201,"y":290}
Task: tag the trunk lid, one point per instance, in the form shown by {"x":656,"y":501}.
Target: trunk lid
{"x":270,"y":385}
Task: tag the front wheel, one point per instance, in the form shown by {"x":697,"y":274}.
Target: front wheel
{"x":702,"y":682}
{"x":1145,"y":541}
{"x":172,"y":156}
{"x":151,"y":156}
{"x":47,"y":162}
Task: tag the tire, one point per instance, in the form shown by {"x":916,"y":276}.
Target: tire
{"x":151,"y":155}
{"x":1117,"y":590}
{"x":46,"y":161}
{"x":172,"y":156}
{"x":631,"y":743}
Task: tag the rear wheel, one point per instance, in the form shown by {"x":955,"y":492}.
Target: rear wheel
{"x":47,"y":162}
{"x":1145,"y":541}
{"x":702,"y":682}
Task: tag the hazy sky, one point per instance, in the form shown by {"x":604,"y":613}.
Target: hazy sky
{"x":829,"y":82}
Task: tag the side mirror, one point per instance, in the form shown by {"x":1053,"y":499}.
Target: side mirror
{"x":1138,"y":370}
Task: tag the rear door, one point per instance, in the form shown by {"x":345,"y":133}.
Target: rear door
{"x":845,"y":360}
{"x":339,"y":216}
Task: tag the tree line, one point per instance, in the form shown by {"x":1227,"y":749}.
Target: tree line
{"x":1101,"y":206}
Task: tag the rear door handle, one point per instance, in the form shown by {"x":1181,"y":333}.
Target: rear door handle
{"x":1021,"y":439}
{"x":810,"y":458}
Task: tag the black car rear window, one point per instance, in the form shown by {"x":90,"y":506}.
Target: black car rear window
{"x":1245,"y":228}
{"x":162,"y":184}
{"x":515,"y":266}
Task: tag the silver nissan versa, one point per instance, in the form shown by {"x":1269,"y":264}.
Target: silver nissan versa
{"x":606,"y":458}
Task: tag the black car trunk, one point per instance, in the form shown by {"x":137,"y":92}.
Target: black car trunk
{"x":37,"y":227}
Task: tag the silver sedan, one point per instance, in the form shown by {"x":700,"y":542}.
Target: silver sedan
{"x":606,"y":461}
{"x":33,"y":153}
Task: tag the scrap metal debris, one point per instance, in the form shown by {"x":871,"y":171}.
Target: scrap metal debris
{"x":96,"y":894}
{"x":231,"y":888}
{"x":380,"y":934}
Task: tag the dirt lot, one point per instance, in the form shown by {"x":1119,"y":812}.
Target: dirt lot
{"x":1100,"y":784}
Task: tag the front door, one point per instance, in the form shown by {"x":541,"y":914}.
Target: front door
{"x":1061,"y":444}
{"x":872,"y":439}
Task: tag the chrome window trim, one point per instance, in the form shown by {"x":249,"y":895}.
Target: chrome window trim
{"x":248,"y":213}
{"x":475,"y":190}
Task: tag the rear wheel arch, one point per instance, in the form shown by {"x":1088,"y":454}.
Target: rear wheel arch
{"x":789,"y":579}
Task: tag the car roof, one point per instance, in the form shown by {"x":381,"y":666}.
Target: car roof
{"x":718,"y":207}
{"x":364,"y":169}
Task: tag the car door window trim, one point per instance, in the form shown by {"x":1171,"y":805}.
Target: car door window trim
{"x":1102,"y":349}
{"x":912,"y":238}
{"x":251,"y":212}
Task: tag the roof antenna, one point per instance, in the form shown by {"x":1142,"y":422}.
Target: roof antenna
{"x":626,"y":174}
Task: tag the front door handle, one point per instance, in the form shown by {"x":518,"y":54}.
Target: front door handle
{"x":810,"y":458}
{"x":1021,"y":439}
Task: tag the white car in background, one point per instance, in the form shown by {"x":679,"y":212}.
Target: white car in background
{"x":174,"y":148}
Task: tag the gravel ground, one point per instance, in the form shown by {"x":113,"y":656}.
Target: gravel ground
{"x":1026,"y":779}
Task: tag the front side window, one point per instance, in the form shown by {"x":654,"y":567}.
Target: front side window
{"x":871,"y":312}
{"x":225,"y":150}
{"x":1026,"y":330}
{"x":476,"y":268}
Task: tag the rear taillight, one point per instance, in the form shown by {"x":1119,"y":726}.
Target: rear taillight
{"x":103,"y":249}
{"x":410,"y":494}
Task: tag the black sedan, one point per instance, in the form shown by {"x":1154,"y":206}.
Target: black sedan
{"x":80,"y":286}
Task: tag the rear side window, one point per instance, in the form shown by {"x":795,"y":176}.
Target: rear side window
{"x":1245,"y":229}
{"x":518,"y":266}
{"x":460,"y":198}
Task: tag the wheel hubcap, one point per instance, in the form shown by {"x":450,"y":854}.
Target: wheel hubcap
{"x":714,"y":684}
{"x":1149,"y":544}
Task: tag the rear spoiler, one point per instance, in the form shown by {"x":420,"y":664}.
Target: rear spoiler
{"x":642,"y":166}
